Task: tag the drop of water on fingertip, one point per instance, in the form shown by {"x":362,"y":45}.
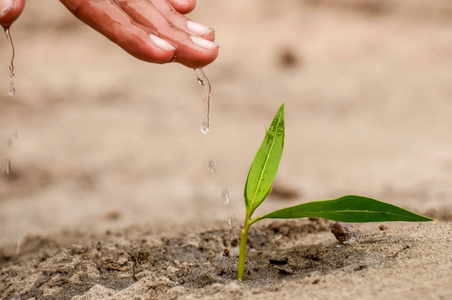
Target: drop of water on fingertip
{"x":211,"y":166}
{"x":225,"y":196}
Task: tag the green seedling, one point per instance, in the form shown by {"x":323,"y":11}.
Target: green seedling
{"x":348,"y":208}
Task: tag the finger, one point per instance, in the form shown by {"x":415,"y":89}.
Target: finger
{"x":10,"y":10}
{"x":108,"y":19}
{"x":157,"y":9}
{"x":183,"y":6}
{"x":181,"y":21}
{"x":193,"y":50}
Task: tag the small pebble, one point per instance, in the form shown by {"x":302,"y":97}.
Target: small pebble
{"x":382,"y":227}
{"x":343,"y":231}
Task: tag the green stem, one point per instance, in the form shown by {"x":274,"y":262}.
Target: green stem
{"x":242,"y":255}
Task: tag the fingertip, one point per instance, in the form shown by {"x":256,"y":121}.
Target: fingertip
{"x":201,"y":30}
{"x":199,"y":59}
{"x":10,"y":11}
{"x":161,"y":50}
{"x":149,"y":48}
{"x":5,"y":6}
{"x":183,"y":6}
{"x":161,"y":43}
{"x":203,"y":43}
{"x":209,"y":36}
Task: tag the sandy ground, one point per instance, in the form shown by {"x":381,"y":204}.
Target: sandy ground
{"x":109,"y":152}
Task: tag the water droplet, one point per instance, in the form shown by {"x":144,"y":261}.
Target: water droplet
{"x":13,"y":139}
{"x":229,"y":220}
{"x":278,"y":236}
{"x":211,"y":166}
{"x":205,"y":128}
{"x":12,"y":89}
{"x":6,"y":166}
{"x":202,"y":80}
{"x":225,"y":196}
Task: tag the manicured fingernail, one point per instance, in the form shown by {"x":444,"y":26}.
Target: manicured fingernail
{"x":203,"y":43}
{"x":197,"y":28}
{"x":161,"y":43}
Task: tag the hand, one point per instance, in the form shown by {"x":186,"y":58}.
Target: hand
{"x":151,"y":30}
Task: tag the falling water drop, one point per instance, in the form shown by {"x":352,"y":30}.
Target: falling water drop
{"x":211,"y":166}
{"x":12,"y":88}
{"x":229,"y":220}
{"x":202,"y":80}
{"x":13,"y":139}
{"x":205,"y":128}
{"x":225,"y":196}
{"x":6,"y":166}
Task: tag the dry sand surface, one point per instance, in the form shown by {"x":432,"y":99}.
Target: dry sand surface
{"x":109,"y":196}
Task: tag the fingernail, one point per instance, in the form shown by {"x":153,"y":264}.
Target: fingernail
{"x":197,"y":28}
{"x":161,"y":43}
{"x":203,"y":43}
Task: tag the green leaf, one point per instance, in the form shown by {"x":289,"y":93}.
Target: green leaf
{"x":265,"y":165}
{"x":347,"y":209}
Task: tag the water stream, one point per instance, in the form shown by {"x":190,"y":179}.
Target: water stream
{"x":205,"y":128}
{"x":202,"y":80}
{"x":12,"y":88}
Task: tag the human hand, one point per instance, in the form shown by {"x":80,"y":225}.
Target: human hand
{"x":151,"y":30}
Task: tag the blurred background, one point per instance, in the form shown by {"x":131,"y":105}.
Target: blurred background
{"x":105,"y":141}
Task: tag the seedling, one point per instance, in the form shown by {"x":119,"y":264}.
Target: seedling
{"x":348,"y":208}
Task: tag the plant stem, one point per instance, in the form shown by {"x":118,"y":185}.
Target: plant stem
{"x":242,"y":255}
